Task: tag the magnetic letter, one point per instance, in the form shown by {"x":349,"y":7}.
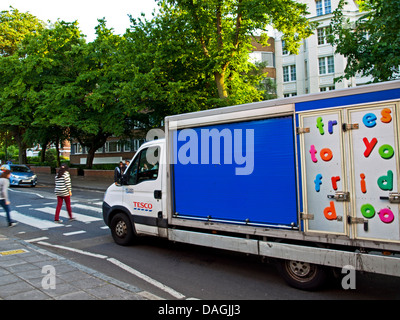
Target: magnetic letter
{"x":330,"y":212}
{"x":367,"y":210}
{"x":369,"y":146}
{"x":320,"y":125}
{"x":330,"y":126}
{"x":363,"y":184}
{"x":318,"y":182}
{"x":334,"y":182}
{"x":386,"y":215}
{"x":369,"y":120}
{"x":326,"y":154}
{"x":313,"y":152}
{"x":386,"y":182}
{"x":386,"y":117}
{"x":386,"y":151}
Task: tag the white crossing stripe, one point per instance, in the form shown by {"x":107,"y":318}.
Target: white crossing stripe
{"x":85,"y":207}
{"x":23,"y":205}
{"x":64,"y":214}
{"x":37,"y":239}
{"x":73,"y":233}
{"x":31,"y":221}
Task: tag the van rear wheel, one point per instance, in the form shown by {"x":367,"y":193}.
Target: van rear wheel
{"x":121,"y":229}
{"x":302,"y":275}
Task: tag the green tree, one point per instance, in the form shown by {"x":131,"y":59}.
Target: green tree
{"x":15,"y":113}
{"x":222,"y":29}
{"x":371,"y":44}
{"x":14,"y":26}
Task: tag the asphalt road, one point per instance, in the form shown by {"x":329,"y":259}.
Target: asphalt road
{"x":167,"y":270}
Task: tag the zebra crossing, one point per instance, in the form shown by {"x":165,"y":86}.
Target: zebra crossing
{"x":43,"y":217}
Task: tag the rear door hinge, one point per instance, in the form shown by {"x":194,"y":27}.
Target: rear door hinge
{"x":349,"y":126}
{"x":300,"y":130}
{"x":306,"y":216}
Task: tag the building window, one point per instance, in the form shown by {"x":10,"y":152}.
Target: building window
{"x":284,"y":50}
{"x":288,"y":95}
{"x":112,"y":146}
{"x":268,"y":57}
{"x":289,"y":73}
{"x":323,"y":7}
{"x":322,"y":35}
{"x":326,"y":65}
{"x":323,"y":89}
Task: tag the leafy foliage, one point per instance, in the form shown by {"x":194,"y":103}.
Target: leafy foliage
{"x":371,"y":44}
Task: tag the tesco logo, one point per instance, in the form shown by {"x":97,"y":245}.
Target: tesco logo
{"x":142,"y":205}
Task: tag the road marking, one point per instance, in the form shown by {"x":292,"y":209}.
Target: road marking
{"x":11,"y":252}
{"x":123,"y":266}
{"x":142,"y":276}
{"x":73,"y":233}
{"x":82,"y":206}
{"x":104,"y":227}
{"x":64,"y":214}
{"x":100,"y":256}
{"x":34,"y":222}
{"x":37,"y":239}
{"x":17,"y":191}
{"x":23,"y":205}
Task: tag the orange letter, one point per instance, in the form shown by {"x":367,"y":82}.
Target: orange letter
{"x":386,"y":117}
{"x":330,"y":212}
{"x":363,"y":184}
{"x":326,"y":154}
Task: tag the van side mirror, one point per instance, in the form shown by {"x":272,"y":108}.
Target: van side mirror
{"x":124,"y":179}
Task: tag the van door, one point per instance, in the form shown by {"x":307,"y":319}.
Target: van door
{"x":323,"y":172}
{"x":142,"y":190}
{"x":375,"y":169}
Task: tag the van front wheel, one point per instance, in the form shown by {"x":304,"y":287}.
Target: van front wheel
{"x":121,"y":230}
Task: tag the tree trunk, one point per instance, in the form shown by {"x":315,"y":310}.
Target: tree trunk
{"x":220,"y":81}
{"x":90,"y":158}
{"x":43,"y":153}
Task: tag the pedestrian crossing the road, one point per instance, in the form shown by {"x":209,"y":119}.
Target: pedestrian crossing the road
{"x":43,"y":217}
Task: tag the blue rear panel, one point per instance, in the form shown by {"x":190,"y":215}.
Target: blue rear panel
{"x":265,"y":196}
{"x":348,"y":100}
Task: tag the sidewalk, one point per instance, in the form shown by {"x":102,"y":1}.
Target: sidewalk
{"x":30,"y":273}
{"x":82,"y":182}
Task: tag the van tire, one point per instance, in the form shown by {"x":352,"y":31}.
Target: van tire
{"x":121,"y":229}
{"x":302,"y":275}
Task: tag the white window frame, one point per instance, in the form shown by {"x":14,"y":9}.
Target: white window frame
{"x":326,"y":65}
{"x":291,"y":73}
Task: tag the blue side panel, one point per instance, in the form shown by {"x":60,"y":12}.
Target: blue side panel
{"x":267,"y":195}
{"x":348,"y":100}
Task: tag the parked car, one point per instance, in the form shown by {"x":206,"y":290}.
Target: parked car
{"x":20,"y":175}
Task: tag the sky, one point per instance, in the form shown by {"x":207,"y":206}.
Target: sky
{"x":85,"y":11}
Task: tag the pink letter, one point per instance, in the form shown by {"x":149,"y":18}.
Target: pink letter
{"x":313,"y":152}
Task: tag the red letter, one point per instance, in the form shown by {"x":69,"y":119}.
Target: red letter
{"x":334,"y":182}
{"x":370,"y":146}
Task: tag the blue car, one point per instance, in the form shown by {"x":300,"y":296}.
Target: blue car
{"x":20,"y":175}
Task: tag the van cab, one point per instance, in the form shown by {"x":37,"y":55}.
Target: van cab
{"x":134,"y":205}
